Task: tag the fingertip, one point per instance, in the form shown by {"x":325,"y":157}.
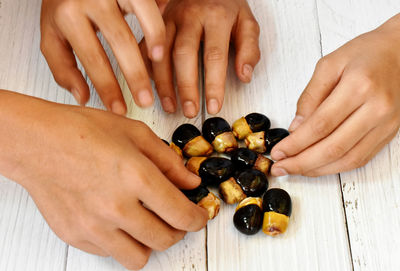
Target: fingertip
{"x":277,"y":154}
{"x":168,"y":104}
{"x":118,"y":107}
{"x":278,"y":171}
{"x":189,"y":109}
{"x":247,"y":73}
{"x":144,"y":98}
{"x":297,"y":121}
{"x":213,"y":106}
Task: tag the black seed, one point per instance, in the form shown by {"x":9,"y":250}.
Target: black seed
{"x":253,"y":182}
{"x":213,"y":127}
{"x":273,"y":136}
{"x":184,"y":133}
{"x":243,"y":158}
{"x":277,"y":200}
{"x":258,"y":122}
{"x":196,"y":194}
{"x":215,"y":170}
{"x":248,"y":219}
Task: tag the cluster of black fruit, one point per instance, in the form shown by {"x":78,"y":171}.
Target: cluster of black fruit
{"x":242,"y":178}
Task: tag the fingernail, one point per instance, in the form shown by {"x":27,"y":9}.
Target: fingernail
{"x":212,"y":106}
{"x":168,"y":105}
{"x":144,"y":97}
{"x":118,"y":108}
{"x":76,"y":95}
{"x":296,"y":123}
{"x":189,"y":109}
{"x":247,"y":71}
{"x":278,"y":155}
{"x":157,"y":53}
{"x":278,"y":172}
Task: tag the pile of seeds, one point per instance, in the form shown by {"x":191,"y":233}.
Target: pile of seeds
{"x":241,"y":179}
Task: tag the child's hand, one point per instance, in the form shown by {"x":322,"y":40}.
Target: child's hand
{"x":217,"y":22}
{"x":349,"y":110}
{"x":105,"y":184}
{"x":70,"y":25}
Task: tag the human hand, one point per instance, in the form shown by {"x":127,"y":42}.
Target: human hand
{"x":105,"y":184}
{"x":71,"y":25}
{"x":349,"y":110}
{"x":217,"y":22}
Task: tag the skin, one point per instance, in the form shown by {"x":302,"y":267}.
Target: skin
{"x":349,"y":110}
{"x":217,"y":23}
{"x":69,"y":26}
{"x":95,"y":183}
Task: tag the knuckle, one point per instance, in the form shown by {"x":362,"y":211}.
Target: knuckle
{"x":186,"y":85}
{"x":323,"y":64}
{"x":305,"y":98}
{"x":335,"y":151}
{"x":137,"y":262}
{"x":186,"y":219}
{"x":251,"y":25}
{"x":214,"y":54}
{"x":320,"y":127}
{"x":66,"y":11}
{"x":217,"y":10}
{"x":181,"y":51}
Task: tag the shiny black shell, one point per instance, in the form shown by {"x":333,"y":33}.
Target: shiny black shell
{"x":213,"y":127}
{"x":273,"y":136}
{"x":197,"y":194}
{"x":277,"y":200}
{"x":184,"y":133}
{"x":258,"y":122}
{"x":215,"y":170}
{"x":253,"y":182}
{"x":248,"y":219}
{"x":243,"y":158}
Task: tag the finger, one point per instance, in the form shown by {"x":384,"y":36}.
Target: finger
{"x":185,"y":57}
{"x":357,"y":157}
{"x":80,"y":34}
{"x":153,"y":27}
{"x":329,"y":115}
{"x":89,"y":247}
{"x":123,"y":248}
{"x":326,"y":76}
{"x":162,"y":74}
{"x":62,"y":63}
{"x":246,"y":37}
{"x":126,"y":50}
{"x":333,"y":147}
{"x":216,"y":47}
{"x":151,"y":231}
{"x":165,"y":199}
{"x":168,"y":162}
{"x":146,"y":60}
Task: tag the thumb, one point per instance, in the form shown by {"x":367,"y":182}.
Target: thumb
{"x":326,"y":76}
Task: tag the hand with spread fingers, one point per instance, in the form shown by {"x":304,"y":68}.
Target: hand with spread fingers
{"x":217,"y":23}
{"x":350,"y":109}
{"x":104,"y":183}
{"x":69,"y":26}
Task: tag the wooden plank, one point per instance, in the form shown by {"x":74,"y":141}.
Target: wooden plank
{"x":371,"y":193}
{"x":316,"y":238}
{"x":26,"y":242}
{"x":190,"y":253}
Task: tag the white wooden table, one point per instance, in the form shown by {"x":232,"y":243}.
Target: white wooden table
{"x":348,"y":221}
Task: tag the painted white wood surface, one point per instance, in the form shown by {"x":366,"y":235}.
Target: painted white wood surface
{"x":316,"y":238}
{"x":371,"y":194}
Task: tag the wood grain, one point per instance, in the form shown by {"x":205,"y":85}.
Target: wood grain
{"x":316,"y":237}
{"x":371,"y":194}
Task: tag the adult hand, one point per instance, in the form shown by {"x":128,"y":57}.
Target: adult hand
{"x":217,"y":22}
{"x":349,"y":110}
{"x":105,"y":184}
{"x":69,"y":26}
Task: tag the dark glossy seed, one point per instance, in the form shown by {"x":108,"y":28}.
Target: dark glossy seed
{"x":243,"y":158}
{"x":248,"y":218}
{"x":215,"y":170}
{"x":258,"y":122}
{"x":273,"y":136}
{"x":184,"y":133}
{"x":277,"y":200}
{"x":213,"y":127}
{"x":196,"y":194}
{"x":253,"y":182}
